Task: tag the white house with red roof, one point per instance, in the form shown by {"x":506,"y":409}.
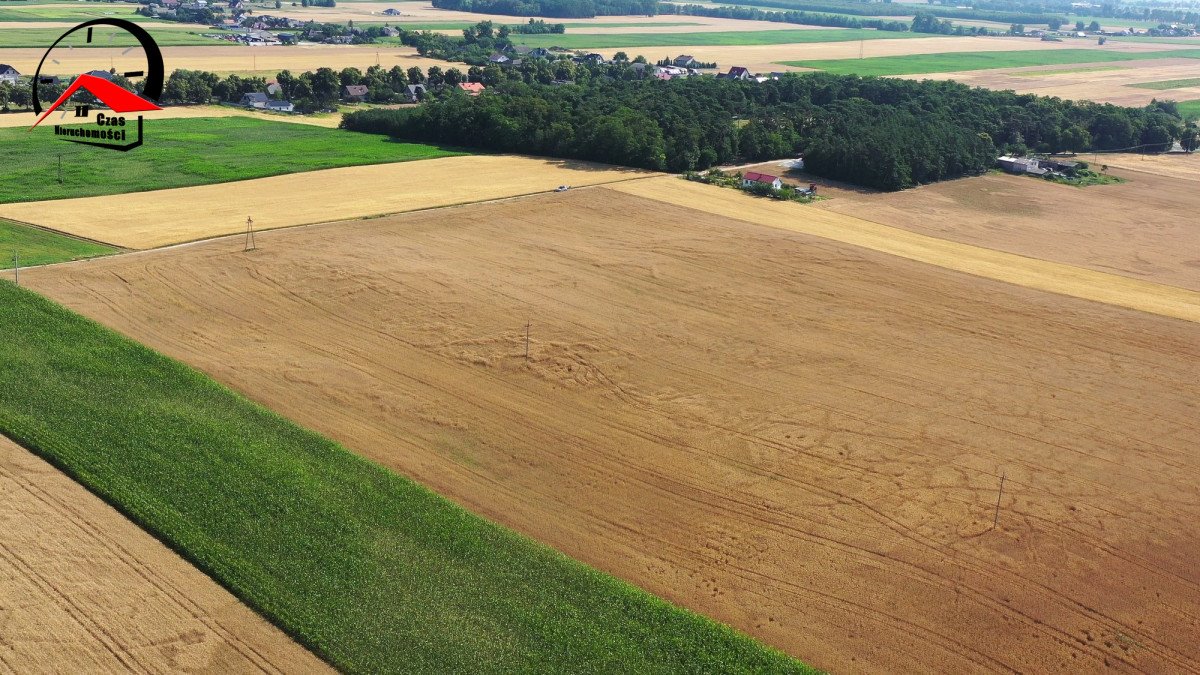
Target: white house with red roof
{"x":751,"y":178}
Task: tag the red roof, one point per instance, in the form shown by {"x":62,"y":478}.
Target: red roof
{"x":472,"y":88}
{"x":112,"y":95}
{"x":760,"y":177}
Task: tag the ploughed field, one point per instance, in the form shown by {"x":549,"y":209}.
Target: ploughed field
{"x":798,"y":437}
{"x":86,"y":590}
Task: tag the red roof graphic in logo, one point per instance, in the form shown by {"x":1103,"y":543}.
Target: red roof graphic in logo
{"x":110,"y":94}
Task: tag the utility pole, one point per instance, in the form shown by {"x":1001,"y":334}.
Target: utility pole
{"x":16,"y":269}
{"x":249,"y":234}
{"x":526,"y":340}
{"x":996,"y":518}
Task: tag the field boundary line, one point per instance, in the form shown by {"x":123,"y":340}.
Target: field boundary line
{"x":128,"y":252}
{"x":1044,"y":275}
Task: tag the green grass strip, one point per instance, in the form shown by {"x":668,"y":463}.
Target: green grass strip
{"x":1189,"y":110}
{"x":756,"y":37}
{"x":954,"y":62}
{"x":367,"y":568}
{"x":233,"y":148}
{"x":40,"y":247}
{"x":1169,"y":84}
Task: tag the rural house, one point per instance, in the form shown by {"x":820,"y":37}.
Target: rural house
{"x":752,"y":178}
{"x":415,"y":93}
{"x":388,"y":31}
{"x":8,"y":74}
{"x":354,"y":92}
{"x":539,"y":53}
{"x":254,"y":99}
{"x":280,"y":106}
{"x":472,"y":88}
{"x":499,"y":58}
{"x":684,"y":61}
{"x":738,"y":73}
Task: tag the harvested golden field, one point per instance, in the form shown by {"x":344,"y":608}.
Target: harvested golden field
{"x":85,"y":590}
{"x":1086,"y":227}
{"x":151,"y":219}
{"x":766,"y":58}
{"x":1045,"y":275}
{"x":235,"y":58}
{"x":331,"y":121}
{"x":799,"y":437}
{"x":1110,"y":85}
{"x":1181,"y":166}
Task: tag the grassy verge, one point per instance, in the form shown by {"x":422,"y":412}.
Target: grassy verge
{"x":367,"y":568}
{"x":954,"y":62}
{"x":758,"y":37}
{"x":1169,"y":84}
{"x":191,"y":151}
{"x":39,"y":247}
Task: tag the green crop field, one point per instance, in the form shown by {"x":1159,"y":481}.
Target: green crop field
{"x":1169,"y":84}
{"x":371,"y":571}
{"x":1190,"y":110}
{"x":41,"y":38}
{"x":762,"y":37}
{"x":459,"y":25}
{"x":234,"y":148}
{"x":78,"y":12}
{"x":34,"y":246}
{"x":961,"y":61}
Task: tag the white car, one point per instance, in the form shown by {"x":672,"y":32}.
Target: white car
{"x":562,"y":188}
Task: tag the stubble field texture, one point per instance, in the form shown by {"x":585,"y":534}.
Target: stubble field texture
{"x":798,"y":437}
{"x":85,"y":590}
{"x":366,"y":568}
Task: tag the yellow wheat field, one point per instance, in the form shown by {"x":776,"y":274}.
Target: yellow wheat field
{"x":159,"y":218}
{"x":1030,"y":272}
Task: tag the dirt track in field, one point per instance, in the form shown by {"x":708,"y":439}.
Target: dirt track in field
{"x":801,"y":438}
{"x":162,"y":217}
{"x":85,"y":590}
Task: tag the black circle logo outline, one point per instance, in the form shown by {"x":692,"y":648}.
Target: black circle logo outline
{"x":154,"y":61}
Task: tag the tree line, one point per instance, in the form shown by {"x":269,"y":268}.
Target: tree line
{"x":889,"y":9}
{"x":883,"y":133}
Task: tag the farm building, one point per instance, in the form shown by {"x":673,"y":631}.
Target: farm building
{"x":355,"y":92}
{"x":753,"y":178}
{"x":1019,"y":165}
{"x":280,"y":106}
{"x":499,"y":58}
{"x":472,"y":88}
{"x":684,"y":61}
{"x":8,"y":74}
{"x":415,"y":93}
{"x":254,"y":99}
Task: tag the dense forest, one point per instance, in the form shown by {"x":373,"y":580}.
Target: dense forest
{"x":884,"y":133}
{"x":560,"y":9}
